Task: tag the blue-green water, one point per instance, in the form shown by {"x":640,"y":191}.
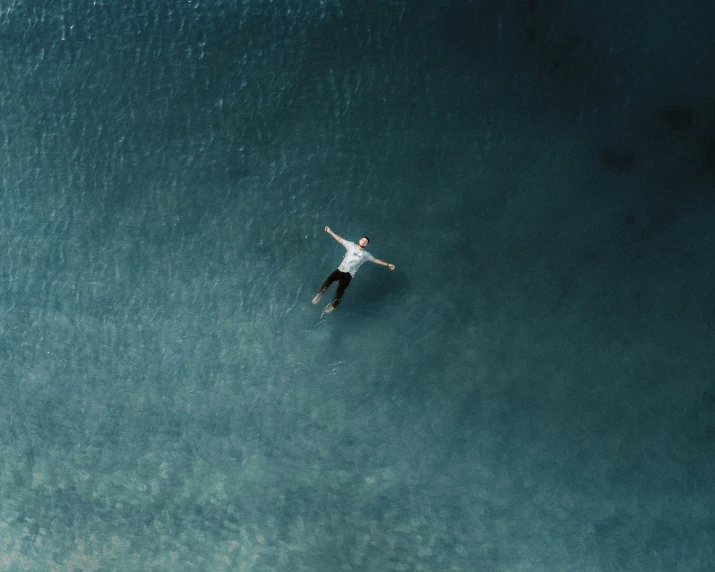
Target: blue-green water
{"x":531,"y":388}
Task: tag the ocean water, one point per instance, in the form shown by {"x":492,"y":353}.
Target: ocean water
{"x":532,"y":388}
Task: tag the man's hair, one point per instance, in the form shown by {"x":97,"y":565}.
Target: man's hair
{"x":368,"y":239}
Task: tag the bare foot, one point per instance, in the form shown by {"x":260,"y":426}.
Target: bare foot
{"x":317,"y":298}
{"x":329,"y":308}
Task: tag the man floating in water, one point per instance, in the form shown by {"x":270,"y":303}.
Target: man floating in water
{"x":353,"y":259}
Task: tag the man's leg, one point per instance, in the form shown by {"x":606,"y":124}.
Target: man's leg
{"x":328,"y":281}
{"x":344,"y":282}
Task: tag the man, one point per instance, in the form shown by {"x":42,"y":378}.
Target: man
{"x":353,"y":259}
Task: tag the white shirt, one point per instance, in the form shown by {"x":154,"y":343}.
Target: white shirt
{"x":354,"y":257}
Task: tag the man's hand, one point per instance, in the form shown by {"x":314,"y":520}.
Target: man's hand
{"x":335,"y":236}
{"x":391,"y":266}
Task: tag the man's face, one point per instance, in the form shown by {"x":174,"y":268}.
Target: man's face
{"x":363,"y":242}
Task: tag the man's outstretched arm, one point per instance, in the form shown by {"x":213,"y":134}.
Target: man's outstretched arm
{"x":383,"y":263}
{"x":335,"y":236}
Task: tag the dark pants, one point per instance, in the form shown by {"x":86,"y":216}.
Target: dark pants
{"x":343,"y":279}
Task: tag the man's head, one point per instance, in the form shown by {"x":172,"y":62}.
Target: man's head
{"x":363,"y":242}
